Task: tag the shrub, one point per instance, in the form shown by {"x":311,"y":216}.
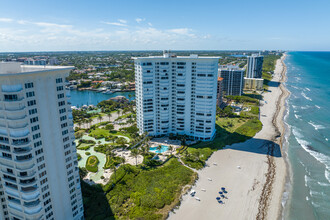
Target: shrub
{"x":91,"y":164}
{"x":78,"y":156}
{"x":87,"y":153}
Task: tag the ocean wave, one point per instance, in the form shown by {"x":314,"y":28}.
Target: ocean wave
{"x":316,"y":127}
{"x":298,"y":78}
{"x":307,"y":198}
{"x":297,"y":116}
{"x":305,"y":107}
{"x":317,"y":106}
{"x":305,"y":96}
{"x":294,"y":106}
{"x":322,"y":158}
{"x":323,"y":184}
{"x":295,"y":87}
{"x":307,"y":89}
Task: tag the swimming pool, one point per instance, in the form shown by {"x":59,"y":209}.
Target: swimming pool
{"x":155,"y":150}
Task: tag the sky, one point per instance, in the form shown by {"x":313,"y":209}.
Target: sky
{"x":89,"y":25}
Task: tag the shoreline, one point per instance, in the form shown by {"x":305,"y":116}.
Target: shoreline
{"x":252,"y":172}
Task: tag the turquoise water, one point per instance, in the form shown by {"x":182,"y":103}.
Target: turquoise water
{"x":308,"y":147}
{"x":154,"y":149}
{"x":80,"y":98}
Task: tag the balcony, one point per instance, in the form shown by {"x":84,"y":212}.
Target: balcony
{"x":14,"y":108}
{"x":33,"y":210}
{"x":32,"y":195}
{"x":12,"y":88}
{"x":28,"y":182}
{"x":23,"y":158}
{"x":21,"y":151}
{"x":15,"y":118}
{"x":21,"y":142}
{"x":13,"y":100}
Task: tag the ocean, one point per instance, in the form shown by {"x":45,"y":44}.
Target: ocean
{"x":80,"y":98}
{"x":307,"y":144}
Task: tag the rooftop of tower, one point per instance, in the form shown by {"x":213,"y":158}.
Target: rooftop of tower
{"x":169,"y":54}
{"x":15,"y":68}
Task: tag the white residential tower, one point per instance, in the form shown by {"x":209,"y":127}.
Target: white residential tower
{"x":39,"y":176}
{"x":176,"y":94}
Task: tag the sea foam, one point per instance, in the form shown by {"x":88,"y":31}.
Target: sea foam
{"x":324,"y":159}
{"x":305,"y":96}
{"x":316,"y":127}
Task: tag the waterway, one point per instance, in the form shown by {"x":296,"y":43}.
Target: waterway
{"x":80,"y":98}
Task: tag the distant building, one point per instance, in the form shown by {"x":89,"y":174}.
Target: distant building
{"x":253,"y":84}
{"x":254,"y":66}
{"x":233,"y":80}
{"x":219,"y":91}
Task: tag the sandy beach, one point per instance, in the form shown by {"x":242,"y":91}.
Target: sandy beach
{"x":253,"y":173}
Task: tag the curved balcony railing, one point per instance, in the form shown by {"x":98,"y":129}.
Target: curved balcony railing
{"x":15,"y":118}
{"x":28,"y":182}
{"x":20,"y":151}
{"x":20,"y":108}
{"x":14,"y":100}
{"x":18,"y":126}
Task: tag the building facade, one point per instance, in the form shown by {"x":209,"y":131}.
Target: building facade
{"x":233,"y":80}
{"x":176,"y":95}
{"x":219,"y":91}
{"x":39,"y":176}
{"x":254,"y":66}
{"x":253,"y":84}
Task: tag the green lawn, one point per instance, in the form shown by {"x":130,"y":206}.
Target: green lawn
{"x":98,"y":133}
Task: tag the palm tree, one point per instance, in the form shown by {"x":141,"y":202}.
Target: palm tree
{"x":109,"y":115}
{"x":170,"y":148}
{"x":99,"y":117}
{"x":89,"y":122}
{"x":135,"y":153}
{"x":159,"y":148}
{"x":79,"y":123}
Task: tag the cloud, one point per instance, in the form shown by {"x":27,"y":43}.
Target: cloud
{"x":114,"y":23}
{"x":122,"y":21}
{"x":52,"y":25}
{"x":26,"y":35}
{"x":139,"y":20}
{"x":6,"y":20}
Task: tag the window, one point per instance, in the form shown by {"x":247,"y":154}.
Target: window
{"x":65,"y":132}
{"x":66,"y":139}
{"x":64,"y":125}
{"x":59,"y":96}
{"x":33,"y":111}
{"x":62,"y":110}
{"x":28,"y":85}
{"x":29,"y":94}
{"x":59,"y":80}
{"x":39,"y":152}
{"x":33,"y":120}
{"x":59,"y":88}
{"x":37,"y":144}
{"x":31,"y":103}
{"x":36,"y":136}
{"x":61,"y":103}
{"x":62,"y":118}
{"x":36,"y":127}
{"x":11,"y":97}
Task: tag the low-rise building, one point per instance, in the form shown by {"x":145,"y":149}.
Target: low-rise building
{"x":253,"y":84}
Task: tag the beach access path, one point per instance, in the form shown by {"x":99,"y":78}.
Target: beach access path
{"x":253,"y":179}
